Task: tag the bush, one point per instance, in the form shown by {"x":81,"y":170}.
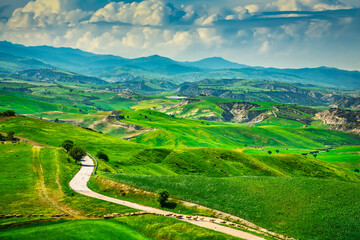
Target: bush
{"x":67,"y":145}
{"x":7,"y":113}
{"x":77,"y":153}
{"x":162,"y":197}
{"x":102,"y":156}
{"x":10,"y":136}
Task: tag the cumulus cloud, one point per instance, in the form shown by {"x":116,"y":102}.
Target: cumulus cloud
{"x":186,"y":29}
{"x":43,"y":13}
{"x":149,"y":12}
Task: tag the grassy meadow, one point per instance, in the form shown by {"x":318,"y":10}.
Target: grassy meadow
{"x":35,"y":180}
{"x":126,"y":228}
{"x":304,"y":208}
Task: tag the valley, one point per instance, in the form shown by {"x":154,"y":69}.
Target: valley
{"x":268,"y":153}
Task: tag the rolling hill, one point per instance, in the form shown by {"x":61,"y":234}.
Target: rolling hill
{"x":155,"y":66}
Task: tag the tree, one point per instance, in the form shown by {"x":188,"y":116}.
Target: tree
{"x":315,"y":155}
{"x":10,"y":136}
{"x":7,"y":113}
{"x":357,"y":170}
{"x":77,"y":153}
{"x":102,"y":156}
{"x":277,"y":151}
{"x":162,"y":197}
{"x":67,"y":145}
{"x":2,"y":138}
{"x":269,"y":152}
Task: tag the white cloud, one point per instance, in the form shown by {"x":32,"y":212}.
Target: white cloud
{"x":44,"y":13}
{"x":265,"y":47}
{"x":190,"y":29}
{"x":149,"y":12}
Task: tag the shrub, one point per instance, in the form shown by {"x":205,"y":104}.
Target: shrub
{"x":10,"y":136}
{"x":162,"y":197}
{"x":77,"y":153}
{"x":7,"y":113}
{"x":67,"y":145}
{"x":102,"y":156}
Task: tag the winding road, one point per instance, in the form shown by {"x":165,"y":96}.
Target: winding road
{"x":79,"y":185}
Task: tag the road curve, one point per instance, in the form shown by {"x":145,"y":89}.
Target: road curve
{"x":79,"y":185}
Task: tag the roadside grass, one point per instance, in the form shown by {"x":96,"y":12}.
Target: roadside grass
{"x":126,"y":228}
{"x":159,"y":227}
{"x":304,"y":208}
{"x":114,"y":189}
{"x":80,"y":229}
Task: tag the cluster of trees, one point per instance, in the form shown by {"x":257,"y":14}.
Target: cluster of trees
{"x":76,"y":152}
{"x":7,"y":113}
{"x":9,"y":136}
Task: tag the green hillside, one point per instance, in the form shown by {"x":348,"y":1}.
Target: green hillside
{"x":304,"y":208}
{"x":178,"y":132}
{"x":134,"y":158}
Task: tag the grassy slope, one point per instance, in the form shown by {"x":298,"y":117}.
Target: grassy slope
{"x":88,"y":229}
{"x":84,"y":97}
{"x":177,"y":132}
{"x":25,"y":105}
{"x":139,"y":227}
{"x":35,"y":181}
{"x":132,"y":158}
{"x":304,"y":208}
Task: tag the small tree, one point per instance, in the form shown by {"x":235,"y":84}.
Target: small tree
{"x":277,"y":151}
{"x":77,"y":153}
{"x":10,"y":136}
{"x":2,"y":138}
{"x":315,"y":155}
{"x":269,"y":152}
{"x":162,"y":197}
{"x":102,"y":156}
{"x":67,"y":145}
{"x":357,"y":170}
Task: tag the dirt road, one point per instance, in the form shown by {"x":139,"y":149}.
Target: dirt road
{"x":79,"y":184}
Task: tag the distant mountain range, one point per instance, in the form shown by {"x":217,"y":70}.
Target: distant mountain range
{"x":15,"y":57}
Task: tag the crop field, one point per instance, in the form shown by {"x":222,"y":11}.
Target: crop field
{"x":304,"y":208}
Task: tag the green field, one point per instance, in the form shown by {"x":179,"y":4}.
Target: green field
{"x":179,"y":132}
{"x":304,"y":208}
{"x":35,"y":180}
{"x":139,"y":227}
{"x":132,"y":158}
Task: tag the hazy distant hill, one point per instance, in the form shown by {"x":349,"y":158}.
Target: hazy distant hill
{"x":10,"y":63}
{"x":113,"y":68}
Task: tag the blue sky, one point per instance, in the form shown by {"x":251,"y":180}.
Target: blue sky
{"x":271,"y":33}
